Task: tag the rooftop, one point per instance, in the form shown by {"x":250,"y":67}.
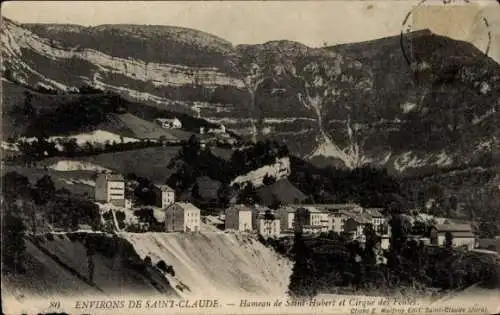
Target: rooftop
{"x":453,"y":227}
{"x":312,"y":209}
{"x":339,"y":206}
{"x":456,"y":234}
{"x":239,"y":207}
{"x":113,"y":177}
{"x":361,"y":218}
{"x":166,"y":119}
{"x":163,"y":187}
{"x":185,"y":206}
{"x":287,"y":209}
{"x":374,"y":212}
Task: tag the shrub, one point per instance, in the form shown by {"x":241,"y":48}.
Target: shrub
{"x":147,"y":260}
{"x":162,"y":266}
{"x":49,"y":236}
{"x":170,"y":270}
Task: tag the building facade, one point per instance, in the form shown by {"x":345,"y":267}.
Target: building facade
{"x":239,"y":218}
{"x":110,"y":188}
{"x":354,"y":226}
{"x":462,"y":235}
{"x":286,"y":215}
{"x":167,"y":123}
{"x":182,"y":217}
{"x":164,"y":195}
{"x":268,"y":226}
{"x":378,"y":220}
{"x":318,"y":220}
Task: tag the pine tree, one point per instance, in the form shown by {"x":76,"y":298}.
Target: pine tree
{"x":302,"y":281}
{"x":268,"y":180}
{"x":45,"y":189}
{"x":448,"y":240}
{"x":13,"y":246}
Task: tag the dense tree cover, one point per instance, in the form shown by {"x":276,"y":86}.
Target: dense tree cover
{"x":44,"y":190}
{"x":78,"y":115}
{"x":58,"y":208}
{"x":146,"y":215}
{"x":255,"y":156}
{"x":225,"y":193}
{"x":332,"y":264}
{"x":268,"y":180}
{"x":370,"y":187}
{"x":144,"y":192}
{"x":41,"y":148}
{"x":13,"y":246}
{"x":304,"y":276}
{"x":248,"y":195}
{"x":193,"y":162}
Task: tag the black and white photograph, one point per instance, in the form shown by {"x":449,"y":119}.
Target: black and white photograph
{"x":250,"y":157}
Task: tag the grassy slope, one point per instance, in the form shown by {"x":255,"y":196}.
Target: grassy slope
{"x":14,"y":95}
{"x":150,"y":162}
{"x":139,"y":128}
{"x":60,"y":178}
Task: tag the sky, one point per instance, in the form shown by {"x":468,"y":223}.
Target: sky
{"x":313,"y":23}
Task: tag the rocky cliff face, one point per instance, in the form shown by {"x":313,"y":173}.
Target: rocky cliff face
{"x":350,"y":105}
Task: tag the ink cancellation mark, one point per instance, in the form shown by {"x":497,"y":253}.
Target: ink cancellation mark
{"x":410,"y":31}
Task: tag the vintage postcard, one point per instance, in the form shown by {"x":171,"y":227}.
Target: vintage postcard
{"x":250,"y":157}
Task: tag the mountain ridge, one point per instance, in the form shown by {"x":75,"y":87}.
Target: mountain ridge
{"x":352,"y":104}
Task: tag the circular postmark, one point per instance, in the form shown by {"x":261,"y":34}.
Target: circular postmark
{"x":462,"y":20}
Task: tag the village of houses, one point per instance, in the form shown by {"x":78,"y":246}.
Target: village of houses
{"x":311,"y":219}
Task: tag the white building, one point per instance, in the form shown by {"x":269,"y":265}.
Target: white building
{"x":167,"y":123}
{"x":239,"y":217}
{"x":318,"y":219}
{"x":354,"y":226}
{"x":338,"y":214}
{"x":110,"y":188}
{"x":286,"y":215}
{"x":268,"y":225}
{"x":182,"y":217}
{"x":462,"y":235}
{"x":379,"y":221}
{"x":385,"y":242}
{"x":164,"y":195}
{"x":220,"y":130}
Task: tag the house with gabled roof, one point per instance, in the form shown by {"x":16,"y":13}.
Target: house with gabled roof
{"x":182,"y":217}
{"x":311,"y":218}
{"x":462,"y":235}
{"x":164,"y":195}
{"x":379,"y":221}
{"x":110,"y":188}
{"x":239,"y":217}
{"x":267,"y":224}
{"x":354,"y":225}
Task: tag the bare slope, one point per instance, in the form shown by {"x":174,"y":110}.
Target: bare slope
{"x":59,"y":266}
{"x":216,"y":263}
